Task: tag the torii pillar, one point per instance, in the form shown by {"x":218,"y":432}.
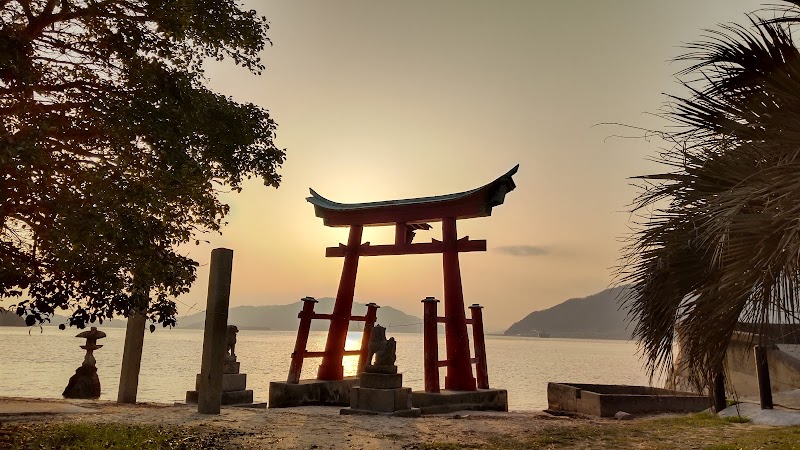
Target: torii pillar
{"x":331,"y":367}
{"x":459,"y":368}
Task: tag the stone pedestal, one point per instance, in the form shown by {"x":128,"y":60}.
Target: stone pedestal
{"x":84,"y":384}
{"x":311,"y":392}
{"x":381,"y":394}
{"x":447,"y":401}
{"x":234,"y":385}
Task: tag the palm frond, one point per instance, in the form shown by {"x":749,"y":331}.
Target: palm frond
{"x":722,"y":243}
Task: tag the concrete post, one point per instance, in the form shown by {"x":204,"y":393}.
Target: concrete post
{"x":216,"y":327}
{"x":718,"y":392}
{"x":762,"y":374}
{"x":131,"y":358}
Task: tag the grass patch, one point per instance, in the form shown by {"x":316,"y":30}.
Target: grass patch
{"x":96,"y":436}
{"x":705,"y":431}
{"x":441,"y":446}
{"x":736,"y":419}
{"x":92,"y":436}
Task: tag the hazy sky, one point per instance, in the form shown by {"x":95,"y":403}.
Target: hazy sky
{"x":379,"y":100}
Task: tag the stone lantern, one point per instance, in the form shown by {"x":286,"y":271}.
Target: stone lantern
{"x":85,"y":383}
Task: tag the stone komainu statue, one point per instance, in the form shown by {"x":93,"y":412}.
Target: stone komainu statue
{"x":230,"y":345}
{"x":383,"y":349}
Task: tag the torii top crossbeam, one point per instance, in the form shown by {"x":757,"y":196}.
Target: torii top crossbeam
{"x":464,"y":205}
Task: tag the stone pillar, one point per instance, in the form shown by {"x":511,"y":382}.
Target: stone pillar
{"x":216,"y":327}
{"x":459,"y":368}
{"x":131,"y":358}
{"x":331,"y":366}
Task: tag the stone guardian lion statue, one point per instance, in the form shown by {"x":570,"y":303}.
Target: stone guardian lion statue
{"x":230,"y":342}
{"x":383,"y":349}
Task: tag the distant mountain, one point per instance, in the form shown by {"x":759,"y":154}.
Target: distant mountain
{"x":9,"y":319}
{"x":594,"y":317}
{"x":268,"y":317}
{"x":284,"y":317}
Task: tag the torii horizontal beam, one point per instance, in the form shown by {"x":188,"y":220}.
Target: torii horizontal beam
{"x":464,"y":245}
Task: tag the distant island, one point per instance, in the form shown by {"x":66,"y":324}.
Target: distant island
{"x":594,"y":317}
{"x":9,"y":319}
{"x":284,"y":317}
{"x":266,"y":317}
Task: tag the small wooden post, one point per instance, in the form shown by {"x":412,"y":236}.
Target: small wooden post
{"x":720,"y":402}
{"x":219,"y":294}
{"x":762,"y":373}
{"x":298,"y":354}
{"x":369,"y":324}
{"x":131,"y":358}
{"x":481,"y":367}
{"x":430,"y":344}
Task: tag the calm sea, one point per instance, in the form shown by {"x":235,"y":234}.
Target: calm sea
{"x":38,"y":363}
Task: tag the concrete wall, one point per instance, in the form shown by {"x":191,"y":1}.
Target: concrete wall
{"x":607,"y":400}
{"x":784,"y":368}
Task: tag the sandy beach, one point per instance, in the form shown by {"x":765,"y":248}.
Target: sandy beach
{"x":312,"y":427}
{"x":291,"y":428}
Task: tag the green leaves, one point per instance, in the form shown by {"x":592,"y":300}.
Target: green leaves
{"x":111,"y":148}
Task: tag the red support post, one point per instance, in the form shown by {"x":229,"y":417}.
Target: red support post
{"x":459,"y":368}
{"x":369,"y":324}
{"x":481,"y":367}
{"x":302,"y":339}
{"x":331,"y":367}
{"x":430,"y":344}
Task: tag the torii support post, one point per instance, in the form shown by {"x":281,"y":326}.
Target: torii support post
{"x":762,"y":374}
{"x":209,"y":398}
{"x":459,"y":368}
{"x":369,"y":324}
{"x":298,"y":355}
{"x":481,"y":366}
{"x":331,"y":367}
{"x":430,"y":344}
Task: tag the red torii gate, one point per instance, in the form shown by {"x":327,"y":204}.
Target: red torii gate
{"x":408,"y":216}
